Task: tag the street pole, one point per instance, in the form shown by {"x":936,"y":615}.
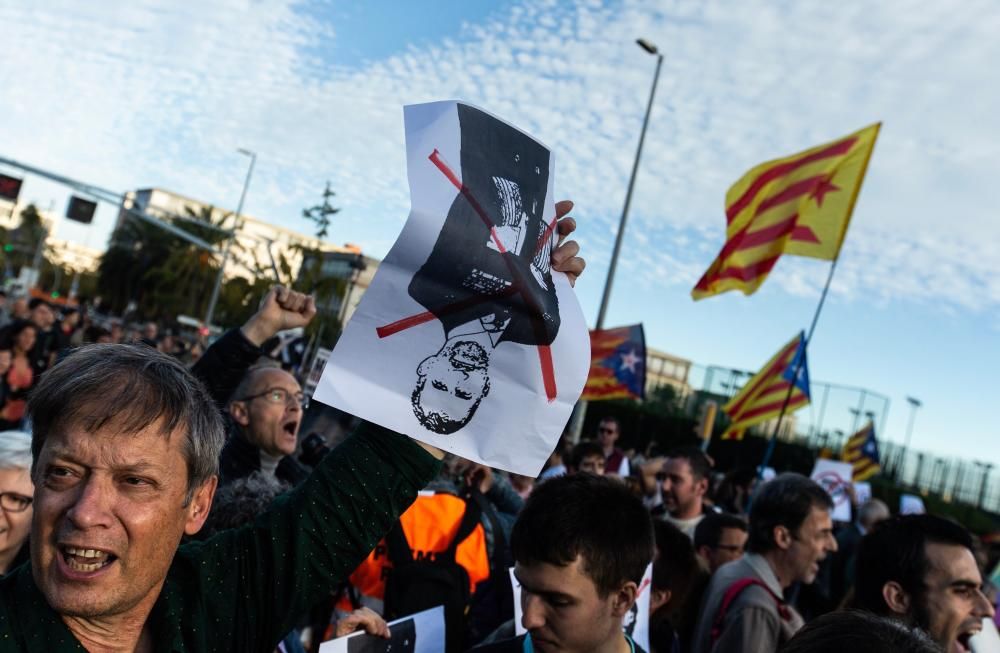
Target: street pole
{"x":210,"y":313}
{"x":914,"y":405}
{"x":580,"y":411}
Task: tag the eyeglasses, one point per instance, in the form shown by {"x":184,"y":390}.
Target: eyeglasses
{"x":14,"y":502}
{"x":280,"y":396}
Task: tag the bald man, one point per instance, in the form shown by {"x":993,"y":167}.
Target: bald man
{"x":264,"y":404}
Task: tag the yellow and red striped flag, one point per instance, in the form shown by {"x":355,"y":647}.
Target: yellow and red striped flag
{"x":764,"y":395}
{"x":861,"y":451}
{"x":798,"y":205}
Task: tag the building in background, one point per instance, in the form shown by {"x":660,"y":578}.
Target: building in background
{"x":666,"y":369}
{"x":353,"y":270}
{"x":259,"y":244}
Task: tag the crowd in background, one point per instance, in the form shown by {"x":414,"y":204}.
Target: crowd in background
{"x":738,"y":564}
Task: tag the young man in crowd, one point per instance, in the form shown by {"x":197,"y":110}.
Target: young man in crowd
{"x":586,"y":457}
{"x":920,"y":570}
{"x":681,"y":478}
{"x":581,"y":545}
{"x":615,"y":460}
{"x":791,"y":531}
{"x":720,"y":538}
{"x":124,"y":469}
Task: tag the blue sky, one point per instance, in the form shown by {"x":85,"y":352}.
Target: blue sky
{"x":160,"y":93}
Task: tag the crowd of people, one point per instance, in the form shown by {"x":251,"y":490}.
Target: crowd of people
{"x":156,"y":496}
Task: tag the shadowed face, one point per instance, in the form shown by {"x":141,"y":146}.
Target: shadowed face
{"x":450,"y":385}
{"x":952,"y":607}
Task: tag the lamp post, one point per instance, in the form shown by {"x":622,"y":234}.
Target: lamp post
{"x":651,"y":49}
{"x":210,"y":313}
{"x":580,"y":411}
{"x":914,"y":405}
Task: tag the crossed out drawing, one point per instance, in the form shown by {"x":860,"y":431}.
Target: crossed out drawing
{"x":484,"y":288}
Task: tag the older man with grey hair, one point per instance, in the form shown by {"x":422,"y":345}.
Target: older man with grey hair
{"x":125,"y":448}
{"x":842,"y":562}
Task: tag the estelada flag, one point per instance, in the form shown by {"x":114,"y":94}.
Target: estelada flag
{"x":861,"y":451}
{"x":798,"y":205}
{"x":617,"y":364}
{"x":763,"y":396}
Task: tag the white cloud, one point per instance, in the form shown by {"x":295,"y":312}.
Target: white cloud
{"x":159,"y":93}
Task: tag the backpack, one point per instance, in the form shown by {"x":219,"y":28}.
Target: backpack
{"x":427,"y":582}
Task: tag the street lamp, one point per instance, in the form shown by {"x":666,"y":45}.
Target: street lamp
{"x":210,"y":313}
{"x":914,"y":405}
{"x":651,"y":49}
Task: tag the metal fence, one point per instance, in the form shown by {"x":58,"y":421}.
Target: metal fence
{"x":836,"y":411}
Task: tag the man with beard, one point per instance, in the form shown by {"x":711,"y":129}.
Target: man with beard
{"x":685,"y":474}
{"x":744,"y":609}
{"x":920,"y":570}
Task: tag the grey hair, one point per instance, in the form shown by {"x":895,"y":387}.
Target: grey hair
{"x":871,"y":512}
{"x":129,"y":387}
{"x":15,"y":450}
{"x":246,"y":383}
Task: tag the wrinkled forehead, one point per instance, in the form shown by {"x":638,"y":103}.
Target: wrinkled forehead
{"x":116,"y":442}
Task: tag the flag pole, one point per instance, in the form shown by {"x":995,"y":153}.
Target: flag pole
{"x":795,"y":373}
{"x":819,"y":307}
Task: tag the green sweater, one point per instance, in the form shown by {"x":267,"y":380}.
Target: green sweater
{"x":243,"y":589}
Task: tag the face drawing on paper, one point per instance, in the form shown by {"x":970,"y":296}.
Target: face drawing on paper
{"x":488,"y":279}
{"x":450,"y":385}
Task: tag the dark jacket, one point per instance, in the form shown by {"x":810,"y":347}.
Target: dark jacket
{"x":243,"y":589}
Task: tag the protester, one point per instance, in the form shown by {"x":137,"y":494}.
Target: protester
{"x":682,"y":479}
{"x":744,"y":609}
{"x":581,"y":545}
{"x":720,"y":538}
{"x":16,"y":490}
{"x":615,"y":461}
{"x":841,"y":577}
{"x":264,"y":404}
{"x":677,"y":577}
{"x":18,"y":379}
{"x":124,"y":468}
{"x":859,"y":632}
{"x":921,"y":570}
{"x":586,"y":457}
{"x":47,"y":340}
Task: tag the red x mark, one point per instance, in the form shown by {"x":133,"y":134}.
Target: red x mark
{"x":517,"y":286}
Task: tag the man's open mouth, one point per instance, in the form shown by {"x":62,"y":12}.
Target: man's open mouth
{"x":86,"y":560}
{"x":290,"y":427}
{"x":963,"y":639}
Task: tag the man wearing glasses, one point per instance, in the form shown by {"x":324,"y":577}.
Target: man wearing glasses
{"x":265,"y":407}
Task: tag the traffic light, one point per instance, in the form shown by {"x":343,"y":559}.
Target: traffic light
{"x":81,"y":210}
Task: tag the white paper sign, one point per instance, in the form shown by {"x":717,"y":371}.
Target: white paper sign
{"x":466,"y":340}
{"x":635,"y":623}
{"x":862,"y":492}
{"x":422,"y":632}
{"x":835,"y":477}
{"x":911,"y":504}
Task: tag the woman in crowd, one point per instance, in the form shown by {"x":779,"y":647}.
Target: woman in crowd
{"x":16,"y":491}
{"x":19,"y":379}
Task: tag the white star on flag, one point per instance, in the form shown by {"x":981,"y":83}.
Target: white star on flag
{"x":629,"y":361}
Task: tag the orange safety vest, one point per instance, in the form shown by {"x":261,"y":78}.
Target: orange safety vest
{"x":430,"y":525}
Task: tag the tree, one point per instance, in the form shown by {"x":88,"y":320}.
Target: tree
{"x":320,"y":214}
{"x":163,"y":273}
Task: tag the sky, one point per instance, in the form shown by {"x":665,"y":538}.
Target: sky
{"x":159,"y":93}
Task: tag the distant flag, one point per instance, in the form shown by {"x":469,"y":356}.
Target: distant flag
{"x":798,"y":205}
{"x":764,"y":395}
{"x":861,"y":451}
{"x":617,"y":364}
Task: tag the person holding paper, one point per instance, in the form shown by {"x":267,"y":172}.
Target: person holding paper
{"x":126,"y":444}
